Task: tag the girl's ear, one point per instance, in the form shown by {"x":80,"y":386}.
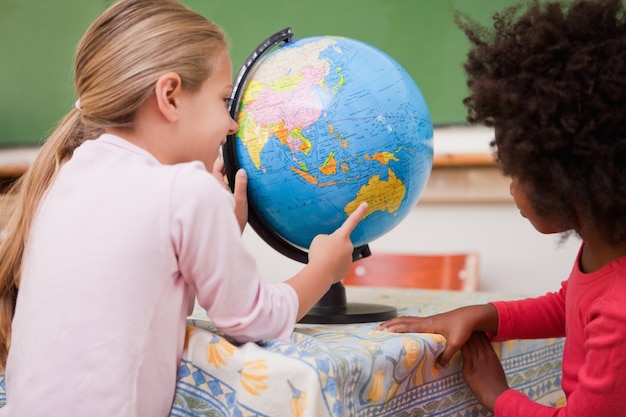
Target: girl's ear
{"x":168,"y":90}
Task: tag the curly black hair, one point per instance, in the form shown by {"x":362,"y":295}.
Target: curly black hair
{"x":551,"y":79}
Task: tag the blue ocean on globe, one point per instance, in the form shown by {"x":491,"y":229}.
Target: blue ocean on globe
{"x":326,"y":123}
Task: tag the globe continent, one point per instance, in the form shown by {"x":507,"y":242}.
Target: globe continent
{"x":326,"y":123}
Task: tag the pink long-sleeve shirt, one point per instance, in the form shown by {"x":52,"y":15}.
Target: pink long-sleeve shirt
{"x":115,"y":246}
{"x":590,"y":311}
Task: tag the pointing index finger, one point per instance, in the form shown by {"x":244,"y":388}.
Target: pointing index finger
{"x":353,"y":219}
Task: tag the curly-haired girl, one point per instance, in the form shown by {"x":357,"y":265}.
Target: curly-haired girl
{"x":551,"y":80}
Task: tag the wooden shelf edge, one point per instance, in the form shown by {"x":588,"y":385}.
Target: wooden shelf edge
{"x":463,"y":159}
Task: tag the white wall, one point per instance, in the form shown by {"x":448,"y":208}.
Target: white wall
{"x":515,"y":258}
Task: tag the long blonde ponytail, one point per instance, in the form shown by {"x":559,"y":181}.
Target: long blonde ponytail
{"x":29,"y":189}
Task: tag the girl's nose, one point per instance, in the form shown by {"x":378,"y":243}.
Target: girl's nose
{"x":233,"y":127}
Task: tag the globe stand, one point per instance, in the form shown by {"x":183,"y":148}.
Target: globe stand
{"x":332,"y":307}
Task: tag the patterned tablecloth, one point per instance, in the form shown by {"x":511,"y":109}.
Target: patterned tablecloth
{"x":351,"y":370}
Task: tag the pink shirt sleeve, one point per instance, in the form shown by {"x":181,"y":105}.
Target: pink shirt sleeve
{"x":213,"y":259}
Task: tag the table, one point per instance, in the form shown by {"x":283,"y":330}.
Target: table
{"x":354,"y":370}
{"x":351,"y":369}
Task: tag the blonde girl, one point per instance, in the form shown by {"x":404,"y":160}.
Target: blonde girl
{"x":119,"y":222}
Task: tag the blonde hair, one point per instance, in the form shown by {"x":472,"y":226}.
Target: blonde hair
{"x":118,"y":61}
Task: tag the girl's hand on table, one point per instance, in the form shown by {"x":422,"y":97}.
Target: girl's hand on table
{"x":455,"y":325}
{"x":482,"y":370}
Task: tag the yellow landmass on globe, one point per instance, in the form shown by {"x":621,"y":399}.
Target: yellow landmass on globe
{"x":253,"y":89}
{"x":253,"y":137}
{"x":382,"y":157}
{"x":284,"y":84}
{"x":379,"y":195}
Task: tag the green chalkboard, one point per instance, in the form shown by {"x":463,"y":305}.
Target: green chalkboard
{"x":38,"y":40}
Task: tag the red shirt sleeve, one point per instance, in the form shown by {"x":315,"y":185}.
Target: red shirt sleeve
{"x":518,"y":319}
{"x":601,"y":383}
{"x":594,"y":363}
{"x":514,"y":403}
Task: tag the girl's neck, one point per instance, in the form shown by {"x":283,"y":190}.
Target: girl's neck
{"x":597,"y":252}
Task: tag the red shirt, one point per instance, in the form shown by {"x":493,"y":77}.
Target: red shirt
{"x":590,"y":311}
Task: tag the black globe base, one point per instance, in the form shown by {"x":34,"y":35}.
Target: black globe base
{"x":351,"y":313}
{"x":333,"y":309}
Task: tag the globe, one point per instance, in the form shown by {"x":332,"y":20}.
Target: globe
{"x":326,"y":123}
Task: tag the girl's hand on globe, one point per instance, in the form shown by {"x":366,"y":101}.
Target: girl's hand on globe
{"x":335,"y":250}
{"x":241,"y":198}
{"x":240,"y":191}
{"x":219,"y":172}
{"x":329,"y":261}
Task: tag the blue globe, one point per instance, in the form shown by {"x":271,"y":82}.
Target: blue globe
{"x":326,"y":123}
